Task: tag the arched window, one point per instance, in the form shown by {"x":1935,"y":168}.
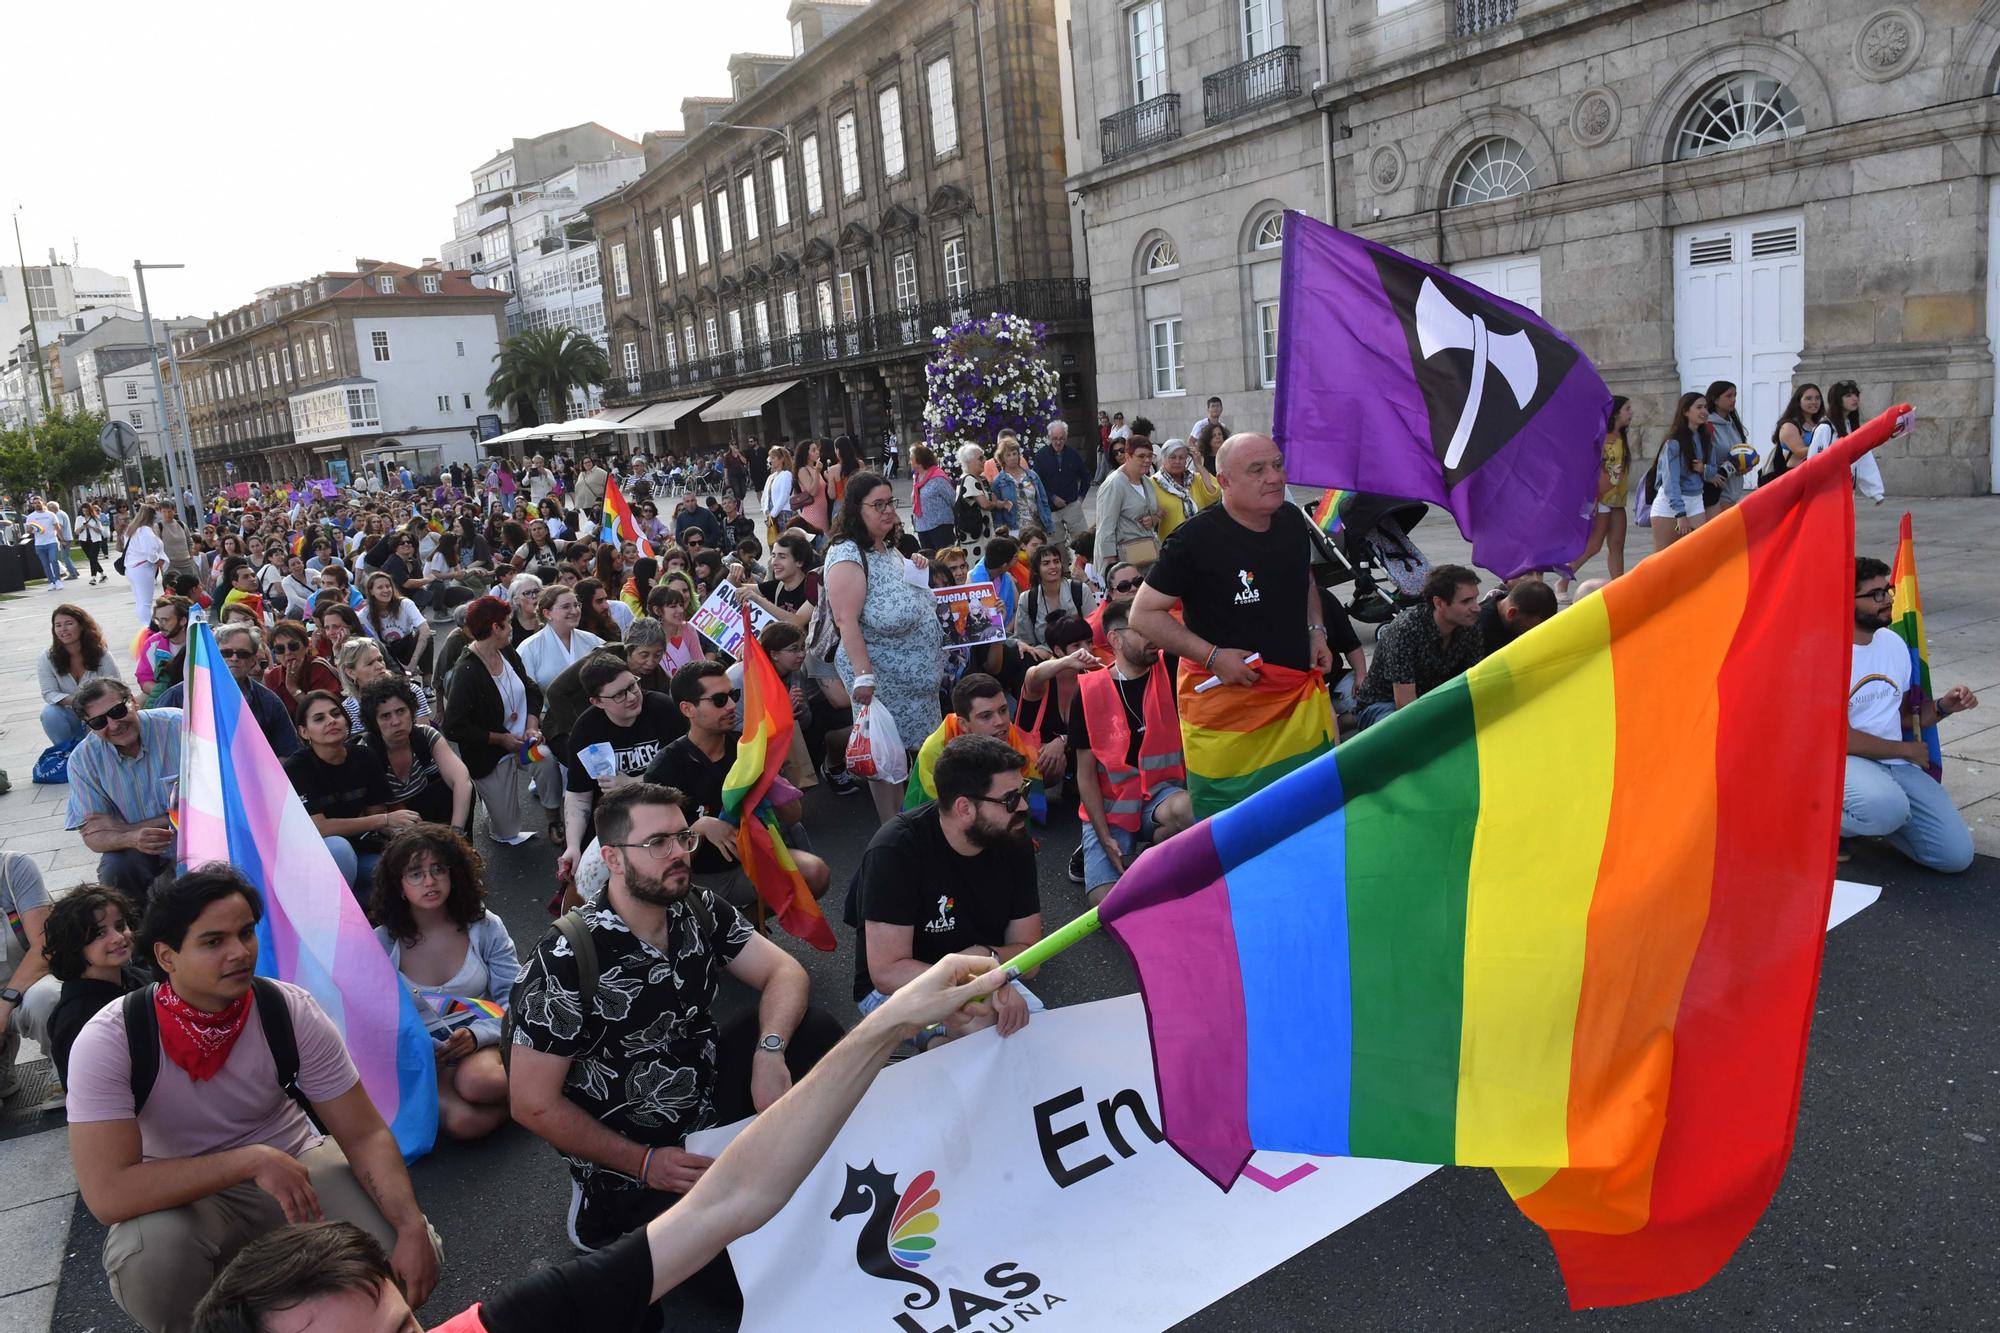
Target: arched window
{"x":1496,"y":168}
{"x":1270,"y":233}
{"x":1161,"y":257}
{"x":1739,"y":112}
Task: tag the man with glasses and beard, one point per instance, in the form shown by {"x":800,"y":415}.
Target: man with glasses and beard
{"x":616,"y":1080}
{"x":1888,"y":794}
{"x":954,"y":876}
{"x":119,"y":789}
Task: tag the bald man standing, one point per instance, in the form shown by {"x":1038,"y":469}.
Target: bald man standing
{"x":1242,"y":573}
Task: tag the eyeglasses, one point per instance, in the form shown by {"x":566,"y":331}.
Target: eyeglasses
{"x":1876,"y":595}
{"x":1127,"y":585}
{"x":115,"y":713}
{"x":881,"y":506}
{"x":237,"y":654}
{"x":657,"y":845}
{"x":1012,"y":801}
{"x":720,"y":699}
{"x":618,"y":696}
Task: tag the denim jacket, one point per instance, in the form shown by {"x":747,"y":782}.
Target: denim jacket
{"x":1677,"y":481}
{"x":1008,"y":492}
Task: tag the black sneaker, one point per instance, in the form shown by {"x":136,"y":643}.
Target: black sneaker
{"x":842,"y":782}
{"x":1076,"y":865}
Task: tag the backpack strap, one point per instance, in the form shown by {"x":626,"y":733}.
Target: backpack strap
{"x":142,"y":1043}
{"x":577,"y":932}
{"x":275,"y":1015}
{"x":702,"y":916}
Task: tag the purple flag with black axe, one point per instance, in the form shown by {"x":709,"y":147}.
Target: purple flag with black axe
{"x":1396,"y":378}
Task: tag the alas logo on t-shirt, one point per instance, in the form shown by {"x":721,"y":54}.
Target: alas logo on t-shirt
{"x":946,"y":918}
{"x":1249,"y":595}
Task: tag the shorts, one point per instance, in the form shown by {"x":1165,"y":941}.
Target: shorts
{"x":1608,"y":509}
{"x":1691,"y":503}
{"x":1097,"y":867}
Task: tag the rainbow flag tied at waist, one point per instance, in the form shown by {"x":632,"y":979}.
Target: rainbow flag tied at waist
{"x":1237,"y":740}
{"x":1906,"y":617}
{"x":920,"y":789}
{"x":760,"y":754}
{"x":1523,"y":924}
{"x":237,"y":806}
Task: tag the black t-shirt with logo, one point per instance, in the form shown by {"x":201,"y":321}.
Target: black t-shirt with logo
{"x":1239,"y":588}
{"x":636,"y":746}
{"x":910,"y":876}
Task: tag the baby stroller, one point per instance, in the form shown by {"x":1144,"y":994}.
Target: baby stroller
{"x":1372,"y":547}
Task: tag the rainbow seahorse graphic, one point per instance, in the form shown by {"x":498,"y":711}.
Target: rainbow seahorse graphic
{"x":910,"y":1229}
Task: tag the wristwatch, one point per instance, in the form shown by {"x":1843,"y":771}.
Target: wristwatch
{"x":11,"y":996}
{"x":773,"y":1043}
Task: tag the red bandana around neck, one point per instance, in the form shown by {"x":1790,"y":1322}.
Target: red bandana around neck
{"x":198,"y":1042}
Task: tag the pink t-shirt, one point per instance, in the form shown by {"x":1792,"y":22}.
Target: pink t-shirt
{"x":240,"y":1106}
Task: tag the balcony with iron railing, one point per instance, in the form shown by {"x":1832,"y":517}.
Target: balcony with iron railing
{"x":898,"y":332}
{"x":1470,"y":18}
{"x":1155,"y":120}
{"x":1260,"y":81}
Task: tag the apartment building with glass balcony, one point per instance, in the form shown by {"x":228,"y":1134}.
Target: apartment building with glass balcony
{"x":779,"y":272}
{"x":1758,"y":191}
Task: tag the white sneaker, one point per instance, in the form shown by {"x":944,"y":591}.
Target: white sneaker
{"x":525,"y":835}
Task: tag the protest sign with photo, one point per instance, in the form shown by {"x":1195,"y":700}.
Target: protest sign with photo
{"x":970,"y":614}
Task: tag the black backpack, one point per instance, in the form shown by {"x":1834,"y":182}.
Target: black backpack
{"x":142,"y":1042}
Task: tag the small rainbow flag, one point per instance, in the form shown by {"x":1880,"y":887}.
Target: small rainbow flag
{"x":1327,"y":516}
{"x":14,"y":924}
{"x":450,"y":1006}
{"x":919,"y":789}
{"x":619,"y":524}
{"x":298,"y":543}
{"x":1236,"y":741}
{"x":1536,"y":934}
{"x":436,"y":524}
{"x":760,"y":753}
{"x":237,"y":806}
{"x":1906,"y":614}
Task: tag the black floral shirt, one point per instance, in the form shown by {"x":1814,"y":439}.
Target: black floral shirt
{"x":643,"y":1061}
{"x":1410,"y":651}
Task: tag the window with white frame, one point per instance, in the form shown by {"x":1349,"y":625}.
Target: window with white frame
{"x":798,"y":38}
{"x":379,"y":340}
{"x":781,"y":198}
{"x":326,"y":348}
{"x":809,"y":169}
{"x":285,"y":361}
{"x":687,"y":333}
{"x":444,"y":402}
{"x":944,"y":107}
{"x":1267,"y":344}
{"x":660,"y":256}
{"x":714,"y":341}
{"x":272,"y":357}
{"x":823,"y":302}
{"x":263,"y":375}
{"x":1147,"y":25}
{"x":904,"y":271}
{"x":789,"y":306}
{"x":582,"y":271}
{"x":722,"y":230}
{"x":385,"y":283}
{"x":735,"y":317}
{"x":137,"y":418}
{"x":889,"y":118}
{"x":1162,"y":257}
{"x":621,"y":273}
{"x":698,"y":219}
{"x":1270,"y":233}
{"x":461,"y":347}
{"x":680,"y":243}
{"x":746,"y":190}
{"x":761,"y":314}
{"x":1739,"y":112}
{"x":1263,"y":27}
{"x":1495,"y":168}
{"x":848,"y":145}
{"x":432,"y":283}
{"x":957,"y":269}
{"x":131,"y":388}
{"x":1164,"y":336}
{"x":630,"y":352}
{"x":850,"y":302}
{"x":672,"y":350}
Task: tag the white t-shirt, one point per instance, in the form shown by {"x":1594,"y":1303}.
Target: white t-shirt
{"x":45,"y":527}
{"x":406,"y":620}
{"x":1877,"y":682}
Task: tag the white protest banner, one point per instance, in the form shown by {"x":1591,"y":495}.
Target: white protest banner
{"x":991,"y":1185}
{"x":720,"y":619}
{"x":970,"y":614}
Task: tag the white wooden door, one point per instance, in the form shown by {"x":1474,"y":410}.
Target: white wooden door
{"x":1517,"y":278}
{"x":1739,"y":313}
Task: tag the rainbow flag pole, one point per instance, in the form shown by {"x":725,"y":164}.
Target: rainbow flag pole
{"x":1906,"y":614}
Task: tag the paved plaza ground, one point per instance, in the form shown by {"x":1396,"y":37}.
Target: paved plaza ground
{"x":1884,"y":1220}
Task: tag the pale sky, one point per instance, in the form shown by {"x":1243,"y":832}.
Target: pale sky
{"x":332,"y":135}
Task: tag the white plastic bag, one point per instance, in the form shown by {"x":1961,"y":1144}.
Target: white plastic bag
{"x":875,"y":747}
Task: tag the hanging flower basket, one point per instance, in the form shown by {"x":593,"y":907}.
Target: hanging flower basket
{"x":985,"y":376}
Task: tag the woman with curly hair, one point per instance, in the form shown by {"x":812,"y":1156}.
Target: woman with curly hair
{"x":450,"y":950}
{"x":75,"y":657}
{"x":88,"y":940}
{"x":424,"y":774}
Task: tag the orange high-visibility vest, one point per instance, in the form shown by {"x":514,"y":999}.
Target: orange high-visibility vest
{"x":1126,"y":790}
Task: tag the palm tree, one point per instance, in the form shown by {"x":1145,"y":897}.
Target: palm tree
{"x":540,"y":365}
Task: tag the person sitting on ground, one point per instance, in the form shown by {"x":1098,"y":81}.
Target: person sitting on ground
{"x":27,"y":992}
{"x":1888,"y":793}
{"x":294,"y":670}
{"x":241,"y":649}
{"x":996,"y":564}
{"x":616,"y":1080}
{"x":332,"y":1275}
{"x":164,"y":641}
{"x":1424,"y":646}
{"x":120,"y":782}
{"x":345,"y":789}
{"x":954,"y":876}
{"x":90,"y":945}
{"x":425,"y":775}
{"x":1506,"y":614}
{"x":1125,"y":730}
{"x":979,"y":708}
{"x":625,"y":729}
{"x":821,"y":726}
{"x":76,"y":656}
{"x":430,"y":899}
{"x":184,"y":1140}
{"x":695,"y":766}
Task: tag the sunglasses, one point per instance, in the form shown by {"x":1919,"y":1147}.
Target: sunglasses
{"x":284,"y":647}
{"x":115,"y":713}
{"x":237,"y":654}
{"x":721,"y":699}
{"x":1127,"y":585}
{"x":1012,"y":801}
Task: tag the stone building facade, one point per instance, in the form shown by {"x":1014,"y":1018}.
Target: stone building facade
{"x":1761,"y":191}
{"x":794,"y":248}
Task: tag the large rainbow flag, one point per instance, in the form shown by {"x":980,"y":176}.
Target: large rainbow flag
{"x":1237,"y":740}
{"x":923,"y":773}
{"x":237,"y":806}
{"x":619,"y":524}
{"x":760,"y":754}
{"x":1538,"y":932}
{"x":1907,"y":619}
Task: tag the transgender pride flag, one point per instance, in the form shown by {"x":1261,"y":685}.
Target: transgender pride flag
{"x":237,"y":805}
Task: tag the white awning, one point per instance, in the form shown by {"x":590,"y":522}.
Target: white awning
{"x":521,"y":436}
{"x":609,"y":419}
{"x":745,"y":402}
{"x":661,"y":416}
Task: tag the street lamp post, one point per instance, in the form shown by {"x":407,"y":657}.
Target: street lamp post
{"x":159,"y":389}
